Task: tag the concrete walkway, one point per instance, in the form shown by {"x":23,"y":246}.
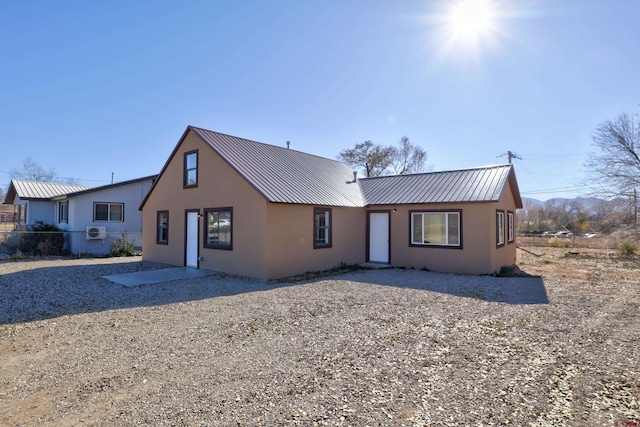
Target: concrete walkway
{"x":157,"y":276}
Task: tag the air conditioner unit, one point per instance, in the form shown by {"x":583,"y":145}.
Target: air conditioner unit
{"x":96,"y":233}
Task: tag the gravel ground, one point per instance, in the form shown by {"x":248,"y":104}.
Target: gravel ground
{"x":366,"y":348}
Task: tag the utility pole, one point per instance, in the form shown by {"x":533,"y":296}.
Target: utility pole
{"x":511,"y":155}
{"x":635,"y":206}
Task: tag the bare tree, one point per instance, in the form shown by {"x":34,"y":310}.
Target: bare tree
{"x":32,"y":171}
{"x":408,"y":158}
{"x":614,"y":169}
{"x":373,"y":159}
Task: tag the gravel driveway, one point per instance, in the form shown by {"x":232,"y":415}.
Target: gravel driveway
{"x":384,"y":347}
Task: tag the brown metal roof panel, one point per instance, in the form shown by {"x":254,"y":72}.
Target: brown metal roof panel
{"x":468,"y":185}
{"x":282,"y":175}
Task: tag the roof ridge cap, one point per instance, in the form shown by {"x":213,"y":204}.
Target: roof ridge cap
{"x":268,"y":144}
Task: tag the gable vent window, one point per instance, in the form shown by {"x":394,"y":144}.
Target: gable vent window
{"x":191,"y":169}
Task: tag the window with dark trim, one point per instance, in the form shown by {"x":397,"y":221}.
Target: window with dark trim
{"x":63,"y":212}
{"x":499,"y":227}
{"x":218,"y":229}
{"x":162,"y":231}
{"x":191,"y":169}
{"x":321,"y":228}
{"x":437,"y":228}
{"x":108,"y":212}
{"x":511,"y":235}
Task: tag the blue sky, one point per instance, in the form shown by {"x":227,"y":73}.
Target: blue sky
{"x":90,"y":88}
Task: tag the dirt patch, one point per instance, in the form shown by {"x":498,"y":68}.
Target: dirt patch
{"x":585,"y":265}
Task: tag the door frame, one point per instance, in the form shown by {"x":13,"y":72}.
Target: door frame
{"x":369,"y":212}
{"x":186,"y":236}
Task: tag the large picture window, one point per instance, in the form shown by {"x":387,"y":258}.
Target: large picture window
{"x":162,"y":233}
{"x":108,"y":212}
{"x":436,"y":228}
{"x":321,"y":228}
{"x":499,"y":228}
{"x":63,"y":212}
{"x":191,"y":169}
{"x":510,"y":227}
{"x":219,"y":228}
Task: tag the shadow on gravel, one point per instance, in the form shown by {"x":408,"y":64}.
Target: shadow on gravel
{"x":50,"y":292}
{"x":509,"y":290}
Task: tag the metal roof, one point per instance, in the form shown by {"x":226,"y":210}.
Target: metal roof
{"x":283,"y":175}
{"x":108,"y":186}
{"x":34,"y":190}
{"x":484,"y":184}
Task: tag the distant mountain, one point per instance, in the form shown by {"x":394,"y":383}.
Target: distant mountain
{"x":589,"y":203}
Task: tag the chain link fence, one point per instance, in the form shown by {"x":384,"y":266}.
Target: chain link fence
{"x":76,"y":243}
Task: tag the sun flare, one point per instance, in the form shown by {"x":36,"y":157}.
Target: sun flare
{"x":469,"y":29}
{"x":470,"y":19}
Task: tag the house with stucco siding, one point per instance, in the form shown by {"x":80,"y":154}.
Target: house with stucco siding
{"x":242,"y":207}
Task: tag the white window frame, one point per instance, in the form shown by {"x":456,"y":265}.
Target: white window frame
{"x":499,"y":227}
{"x":325,"y":229}
{"x":511,"y":235}
{"x":421,"y":215}
{"x":109,"y":205}
{"x":63,"y":207}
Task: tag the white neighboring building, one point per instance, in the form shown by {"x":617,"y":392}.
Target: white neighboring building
{"x":94,"y":217}
{"x":31,"y":200}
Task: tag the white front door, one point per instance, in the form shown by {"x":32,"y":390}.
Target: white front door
{"x":379,"y":237}
{"x":192,"y":240}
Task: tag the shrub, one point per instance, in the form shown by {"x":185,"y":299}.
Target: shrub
{"x":123,"y":247}
{"x":12,"y":243}
{"x":627,"y":248}
{"x":42,"y":239}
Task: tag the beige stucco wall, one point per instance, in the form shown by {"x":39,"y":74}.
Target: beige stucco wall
{"x":273,"y":240}
{"x":505,"y":255}
{"x":218,"y":186}
{"x":290,"y":239}
{"x":479,"y":254}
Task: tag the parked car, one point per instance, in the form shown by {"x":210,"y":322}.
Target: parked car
{"x":564,"y":234}
{"x":590,"y":235}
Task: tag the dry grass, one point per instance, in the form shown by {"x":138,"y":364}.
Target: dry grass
{"x":586,"y":265}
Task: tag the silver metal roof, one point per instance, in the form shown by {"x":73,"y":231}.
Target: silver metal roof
{"x":283,"y":175}
{"x":33,"y":190}
{"x":468,"y":185}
